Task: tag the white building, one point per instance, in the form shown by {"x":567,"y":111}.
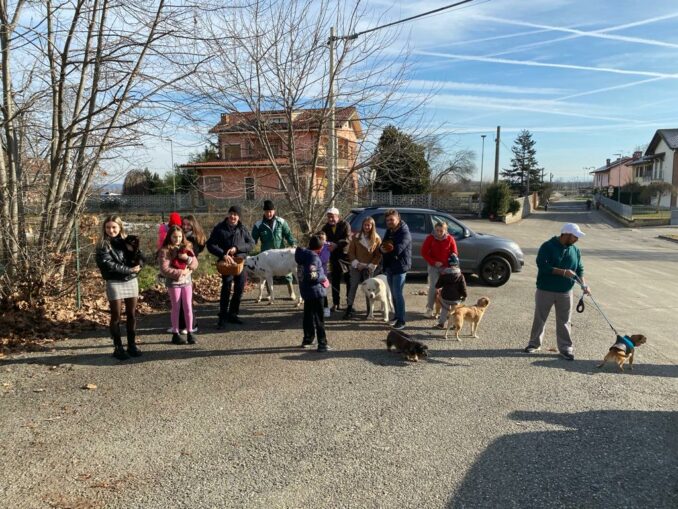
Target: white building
{"x":659,"y":163}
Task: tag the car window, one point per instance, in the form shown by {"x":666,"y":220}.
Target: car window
{"x":350,"y":217}
{"x":416,"y":222}
{"x":379,"y":220}
{"x":453,"y":228}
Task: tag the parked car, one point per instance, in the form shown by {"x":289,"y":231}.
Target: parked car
{"x":492,"y":258}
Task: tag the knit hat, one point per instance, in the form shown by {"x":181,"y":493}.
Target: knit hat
{"x":235,"y":209}
{"x":174,"y":219}
{"x":314,"y":243}
{"x":453,"y":260}
{"x":268,"y":205}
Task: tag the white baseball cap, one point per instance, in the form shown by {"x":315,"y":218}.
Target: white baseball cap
{"x":572,"y":228}
{"x":333,"y":210}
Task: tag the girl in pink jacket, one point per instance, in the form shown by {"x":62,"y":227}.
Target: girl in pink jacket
{"x":176,"y":252}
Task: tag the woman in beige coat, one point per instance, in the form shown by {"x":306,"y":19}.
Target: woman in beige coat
{"x":364,"y":256}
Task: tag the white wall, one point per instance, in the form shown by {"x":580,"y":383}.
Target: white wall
{"x":667,"y":169}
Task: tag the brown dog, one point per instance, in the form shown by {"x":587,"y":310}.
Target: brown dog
{"x":623,"y":350}
{"x":405,"y":344}
{"x":471,"y":313}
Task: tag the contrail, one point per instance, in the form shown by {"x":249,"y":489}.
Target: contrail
{"x":532,"y":63}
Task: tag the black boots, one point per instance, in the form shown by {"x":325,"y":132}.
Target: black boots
{"x":132,"y":348}
{"x":190,"y":339}
{"x":348,"y":314}
{"x":177,"y":340}
{"x":119,"y":352}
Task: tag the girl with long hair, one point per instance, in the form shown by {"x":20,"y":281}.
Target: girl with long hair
{"x":120,"y":269}
{"x":176,"y":262}
{"x":364,"y":256}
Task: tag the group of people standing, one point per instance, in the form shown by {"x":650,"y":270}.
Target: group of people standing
{"x":334,"y":255}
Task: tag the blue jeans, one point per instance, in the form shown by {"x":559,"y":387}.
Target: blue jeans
{"x":396,"y":282}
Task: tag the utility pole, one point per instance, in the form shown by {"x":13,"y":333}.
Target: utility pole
{"x":619,"y":177}
{"x":174,"y":175}
{"x":482,"y":161}
{"x":331,"y":145}
{"x":496,"y":155}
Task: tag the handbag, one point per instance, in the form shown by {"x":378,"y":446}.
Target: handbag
{"x":230,"y":268}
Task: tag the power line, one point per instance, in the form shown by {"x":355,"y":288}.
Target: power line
{"x":434,"y":11}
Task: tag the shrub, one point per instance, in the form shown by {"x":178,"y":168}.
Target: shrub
{"x":514,"y":207}
{"x":496,"y":199}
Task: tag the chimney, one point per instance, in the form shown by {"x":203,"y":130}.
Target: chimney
{"x":607,"y":163}
{"x":637,"y":155}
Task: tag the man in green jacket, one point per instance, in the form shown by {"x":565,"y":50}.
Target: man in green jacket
{"x":273,"y":232}
{"x":558,"y":263}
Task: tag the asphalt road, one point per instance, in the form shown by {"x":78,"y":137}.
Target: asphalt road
{"x":246,"y":419}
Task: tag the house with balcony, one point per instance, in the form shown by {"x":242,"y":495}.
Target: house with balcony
{"x":244,"y":168}
{"x":659,"y":163}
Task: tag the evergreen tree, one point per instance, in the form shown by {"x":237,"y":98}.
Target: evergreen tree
{"x":524,"y":174}
{"x":400,"y":164}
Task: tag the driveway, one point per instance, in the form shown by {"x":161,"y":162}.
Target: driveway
{"x":246,"y":419}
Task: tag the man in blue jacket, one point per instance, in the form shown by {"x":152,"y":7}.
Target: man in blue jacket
{"x":558,"y":263}
{"x":397,"y":261}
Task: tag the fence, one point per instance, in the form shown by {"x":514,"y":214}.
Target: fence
{"x":451,"y":203}
{"x":194,"y":202}
{"x":621,"y":209}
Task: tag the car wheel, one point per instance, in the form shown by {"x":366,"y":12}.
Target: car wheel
{"x":495,"y":270}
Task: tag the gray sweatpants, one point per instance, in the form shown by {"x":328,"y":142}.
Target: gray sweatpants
{"x":433,"y":275}
{"x":543,"y":301}
{"x":446,"y":305}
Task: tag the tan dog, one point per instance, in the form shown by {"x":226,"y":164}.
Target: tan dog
{"x":622,"y":351}
{"x":473,"y":314}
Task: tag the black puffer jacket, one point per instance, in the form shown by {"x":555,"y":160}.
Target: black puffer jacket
{"x":113,"y":261}
{"x":224,"y":237}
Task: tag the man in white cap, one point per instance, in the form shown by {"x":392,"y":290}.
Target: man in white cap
{"x":338,"y":234}
{"x":558,"y":263}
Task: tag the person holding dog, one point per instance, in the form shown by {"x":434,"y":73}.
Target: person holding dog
{"x":364,"y":255}
{"x":558,"y":264}
{"x":274,"y":233}
{"x":121,"y":284}
{"x":176,"y":262}
{"x":312,"y":285}
{"x":397,"y":260}
{"x":338,"y":233}
{"x":437,"y":249}
{"x":450,"y":288}
{"x":230,"y":239}
{"x":194,"y":234}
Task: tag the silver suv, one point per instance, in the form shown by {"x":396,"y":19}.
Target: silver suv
{"x":490,"y":257}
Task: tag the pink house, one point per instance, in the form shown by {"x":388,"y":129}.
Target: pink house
{"x":615,"y":173}
{"x":244,"y":170}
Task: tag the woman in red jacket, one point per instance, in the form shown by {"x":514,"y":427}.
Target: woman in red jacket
{"x":436,"y":250}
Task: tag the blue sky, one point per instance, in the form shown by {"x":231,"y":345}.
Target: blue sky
{"x":589,"y":79}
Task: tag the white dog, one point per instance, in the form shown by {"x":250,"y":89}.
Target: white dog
{"x":376,"y":290}
{"x":271,"y":263}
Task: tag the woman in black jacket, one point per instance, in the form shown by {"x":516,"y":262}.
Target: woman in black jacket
{"x":119,"y":264}
{"x":228,"y":239}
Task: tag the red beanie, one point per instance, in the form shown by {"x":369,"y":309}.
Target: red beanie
{"x":174,"y":219}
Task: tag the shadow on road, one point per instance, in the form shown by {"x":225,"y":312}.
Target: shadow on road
{"x":589,"y":367}
{"x":606,"y":459}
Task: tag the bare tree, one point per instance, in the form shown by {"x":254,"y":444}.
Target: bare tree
{"x":83,"y":81}
{"x":448,"y":165}
{"x":272,"y":56}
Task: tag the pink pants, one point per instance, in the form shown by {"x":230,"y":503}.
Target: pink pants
{"x":177,"y":295}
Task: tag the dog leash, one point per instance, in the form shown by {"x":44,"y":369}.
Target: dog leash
{"x":580,"y":304}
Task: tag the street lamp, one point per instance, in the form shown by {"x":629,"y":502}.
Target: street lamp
{"x":482,"y":161}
